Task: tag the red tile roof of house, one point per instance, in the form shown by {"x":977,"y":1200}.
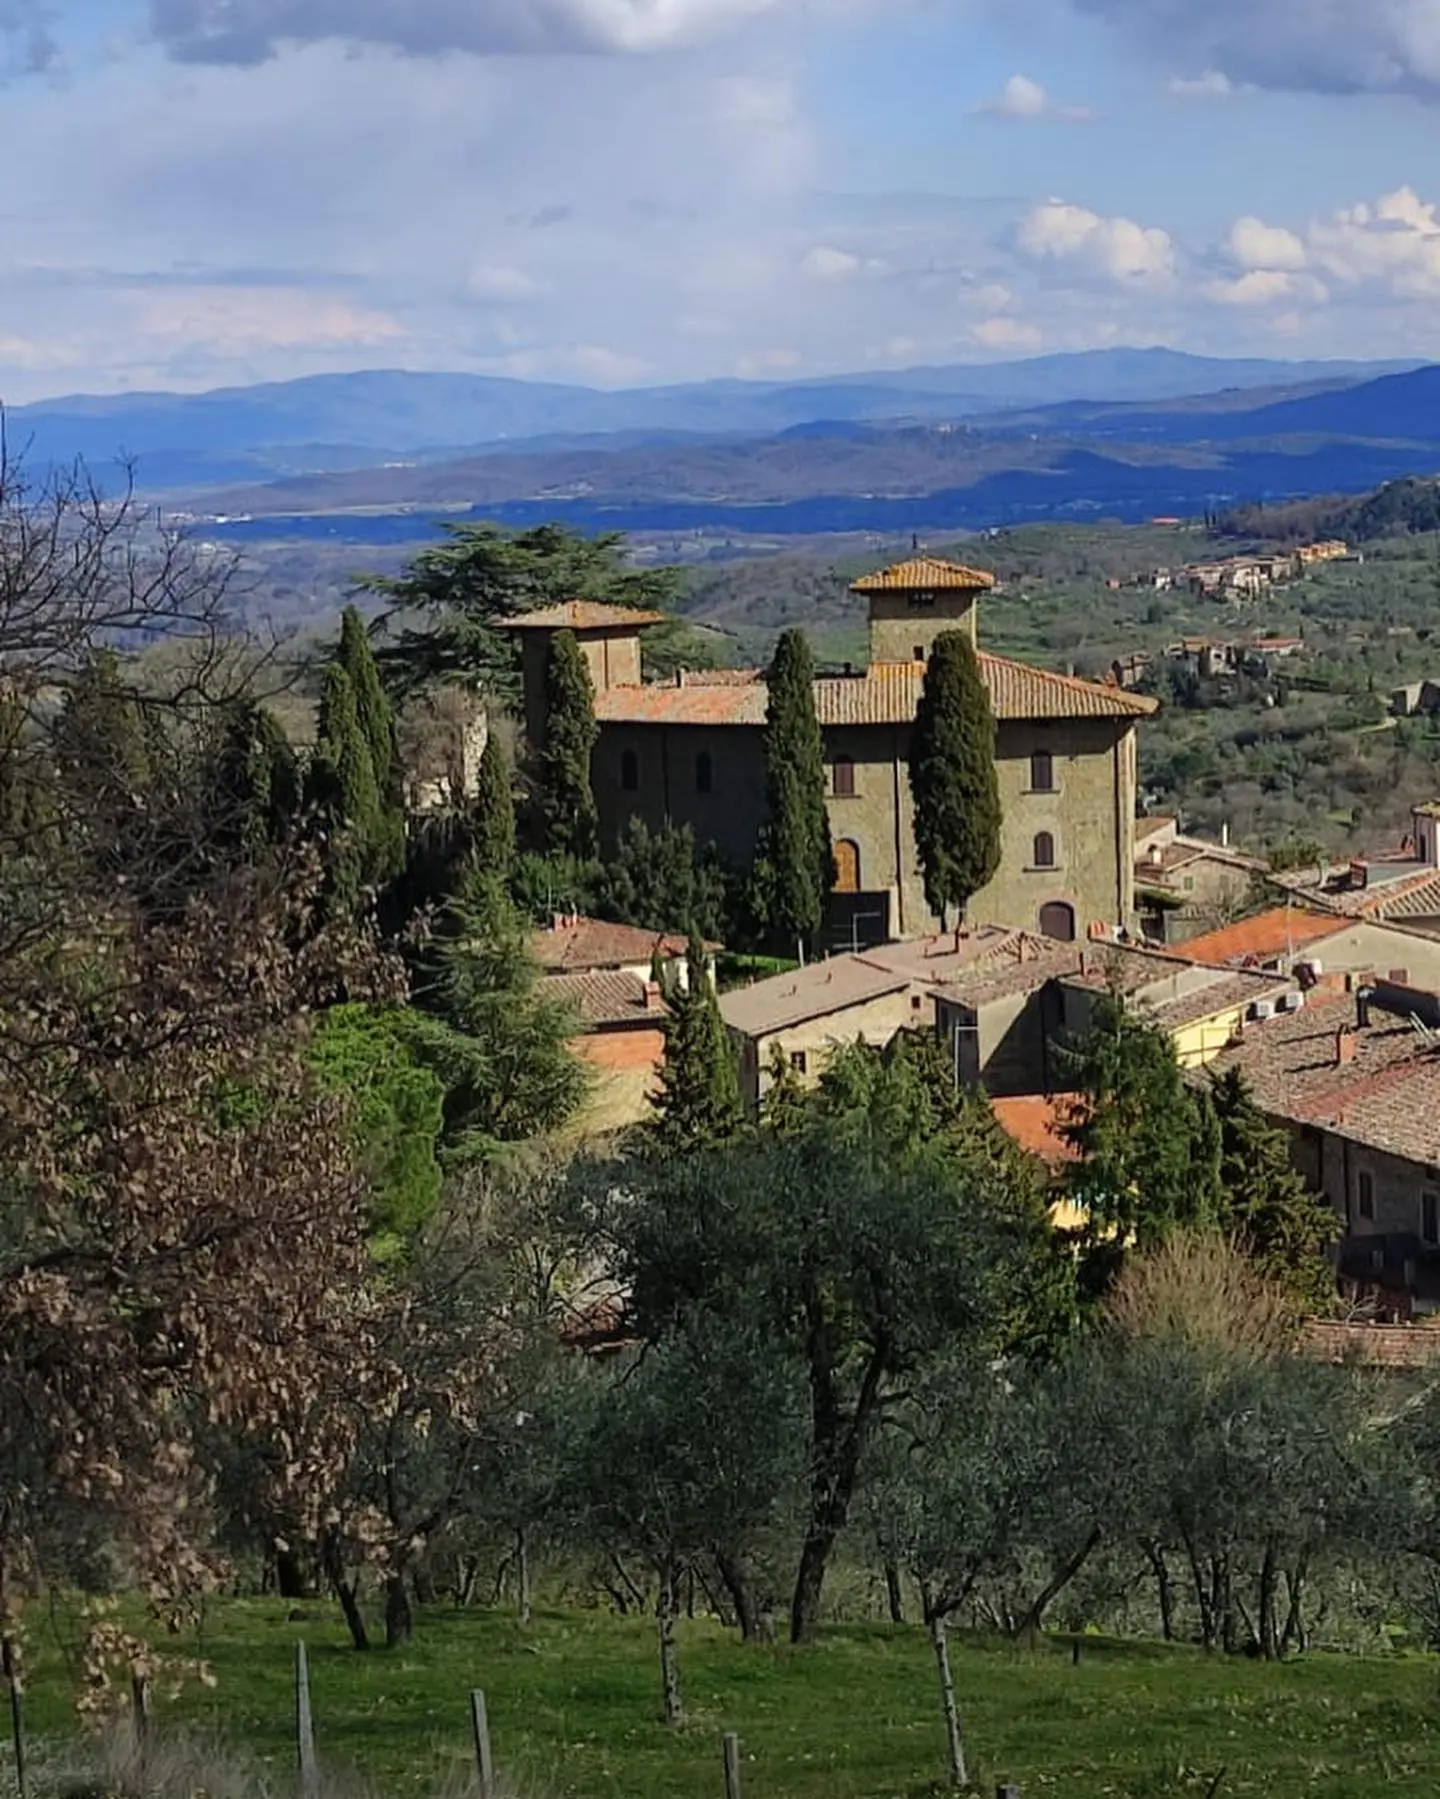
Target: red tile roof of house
{"x":921,"y":574}
{"x":1035,"y":1122}
{"x":1277,"y":932}
{"x":608,"y":999}
{"x":575,"y":945}
{"x":581,"y":615}
{"x":887,"y":693}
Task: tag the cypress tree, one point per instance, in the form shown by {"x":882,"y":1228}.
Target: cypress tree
{"x":494,"y":810}
{"x":699,"y":1098}
{"x":566,"y":800}
{"x":794,"y":864}
{"x":343,"y":790}
{"x":376,"y":718}
{"x":256,"y":782}
{"x":952,"y":777}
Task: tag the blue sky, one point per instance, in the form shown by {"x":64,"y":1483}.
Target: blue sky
{"x":203,"y":192}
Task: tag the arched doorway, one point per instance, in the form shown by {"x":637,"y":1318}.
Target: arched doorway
{"x":847,"y":866}
{"x":1057,"y":920}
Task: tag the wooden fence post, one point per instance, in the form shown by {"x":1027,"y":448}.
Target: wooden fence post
{"x":732,"y":1765}
{"x":304,"y":1725}
{"x":480,"y":1722}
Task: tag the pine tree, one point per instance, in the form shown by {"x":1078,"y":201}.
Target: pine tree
{"x":566,"y":800}
{"x":493,"y":813}
{"x":794,"y":865}
{"x":952,"y":777}
{"x":699,"y":1098}
{"x":1265,"y":1202}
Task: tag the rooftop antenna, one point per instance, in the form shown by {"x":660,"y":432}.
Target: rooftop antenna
{"x":914,"y":542}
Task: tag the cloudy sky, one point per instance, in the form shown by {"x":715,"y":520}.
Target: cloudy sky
{"x":202,"y":192}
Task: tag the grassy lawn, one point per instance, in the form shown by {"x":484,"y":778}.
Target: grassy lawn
{"x":574,"y":1702}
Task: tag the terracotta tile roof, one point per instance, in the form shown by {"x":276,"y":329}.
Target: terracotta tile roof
{"x":607,"y":999}
{"x":1263,"y":938}
{"x":813,"y":992}
{"x":581,"y":615}
{"x":1035,"y":1124}
{"x":1147,"y":827}
{"x":1223,"y":993}
{"x":575,"y":945}
{"x":887,"y":693}
{"x":1387,"y":1097}
{"x":922,"y":574}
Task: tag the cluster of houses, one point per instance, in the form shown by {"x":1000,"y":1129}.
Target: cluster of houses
{"x":1211,"y":659}
{"x":1242,"y":578}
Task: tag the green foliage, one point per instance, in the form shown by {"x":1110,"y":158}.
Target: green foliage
{"x":1149,"y":1142}
{"x":373,"y":710}
{"x":794,"y":868}
{"x":542,"y":885}
{"x":479,"y":575}
{"x":397,"y":1111}
{"x":952,"y":777}
{"x":699,"y":1097}
{"x":498,"y":1043}
{"x":565,"y":800}
{"x":342,"y":789}
{"x":256,"y":800}
{"x":103,"y":755}
{"x":493,"y":813}
{"x":659,"y":881}
{"x":1284,"y":1226}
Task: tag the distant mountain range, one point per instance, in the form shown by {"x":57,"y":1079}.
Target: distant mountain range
{"x":353,"y":421}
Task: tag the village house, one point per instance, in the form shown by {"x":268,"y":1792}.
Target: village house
{"x":1185,"y":884}
{"x":690,"y":751}
{"x":1398,"y":886}
{"x":1355,"y":1080}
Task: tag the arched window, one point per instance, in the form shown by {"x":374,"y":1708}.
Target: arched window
{"x":704,"y":773}
{"x":1057,"y":920}
{"x":1042,"y":854}
{"x":630,"y":772}
{"x":1042,"y":772}
{"x":843,"y":778}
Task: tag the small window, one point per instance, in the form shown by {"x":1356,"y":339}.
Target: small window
{"x":704,"y":773}
{"x":1042,"y":854}
{"x":630,"y":772}
{"x":1430,"y":1217}
{"x":1042,"y":772}
{"x":843,"y":778}
{"x":1366,"y":1194}
{"x":917,"y":651}
{"x":798,"y":1061}
{"x":916,"y":1001}
{"x":922,"y":602}
{"x":1188,"y":883}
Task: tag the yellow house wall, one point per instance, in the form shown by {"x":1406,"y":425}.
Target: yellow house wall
{"x":898,"y":629}
{"x":875,"y":1022}
{"x":1090,"y":813}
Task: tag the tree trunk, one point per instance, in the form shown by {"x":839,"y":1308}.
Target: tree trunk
{"x":1269,"y":1630}
{"x":954,"y":1736}
{"x":348,"y":1593}
{"x":736,"y":1577}
{"x":894,"y":1593}
{"x":1164,"y":1588}
{"x":522,"y":1576}
{"x":1295,"y":1633}
{"x":399,"y":1619}
{"x":292,"y":1579}
{"x":665,"y":1611}
{"x":1056,"y":1585}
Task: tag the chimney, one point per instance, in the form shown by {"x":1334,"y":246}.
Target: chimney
{"x":558,"y":921}
{"x":1225,"y":835}
{"x":679,"y":677}
{"x":1344,"y":1046}
{"x":1359,"y":874}
{"x":1363,"y":996}
{"x":653,"y":998}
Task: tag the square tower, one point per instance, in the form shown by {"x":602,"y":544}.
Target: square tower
{"x":609,"y":640}
{"x":912,"y":602}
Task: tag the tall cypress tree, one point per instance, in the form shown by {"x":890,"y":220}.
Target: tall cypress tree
{"x":376,"y":718}
{"x":952,"y":777}
{"x":699,"y":1098}
{"x":566,"y":799}
{"x":343,"y":790}
{"x":794,"y":864}
{"x":494,"y":810}
{"x":255,"y":782}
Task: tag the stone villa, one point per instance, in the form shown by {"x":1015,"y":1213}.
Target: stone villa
{"x":690,"y":750}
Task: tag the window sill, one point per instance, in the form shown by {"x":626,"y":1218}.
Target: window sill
{"x":844,"y":796}
{"x":1043,"y":868}
{"x":1040,"y":793}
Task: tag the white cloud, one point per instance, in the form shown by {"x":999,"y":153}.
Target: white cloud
{"x":825,"y":263}
{"x":248,"y":31}
{"x":1117,"y":248}
{"x":1212,"y":85}
{"x":245,"y":320}
{"x":987,"y":296}
{"x":1325,"y":46}
{"x":1009,"y":335}
{"x":1256,"y":245}
{"x":1268,"y":287}
{"x":504,"y":283}
{"x":594,"y":364}
{"x":758,"y":363}
{"x":1395,"y":241}
{"x":1022,"y":98}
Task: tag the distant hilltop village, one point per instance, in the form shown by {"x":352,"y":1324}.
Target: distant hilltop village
{"x":1241,"y":578}
{"x":690,"y":751}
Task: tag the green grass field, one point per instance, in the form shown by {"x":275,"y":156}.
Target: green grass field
{"x":574,"y":1710}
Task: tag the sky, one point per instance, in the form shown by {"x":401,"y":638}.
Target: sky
{"x":212,"y":192}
